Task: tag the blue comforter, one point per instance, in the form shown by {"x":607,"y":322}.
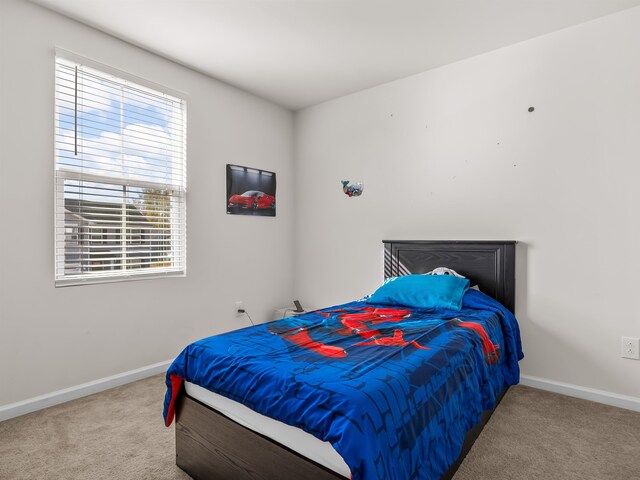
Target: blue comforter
{"x":394,"y":390}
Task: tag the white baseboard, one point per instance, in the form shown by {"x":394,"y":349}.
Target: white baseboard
{"x":54,"y":398}
{"x":600,"y":396}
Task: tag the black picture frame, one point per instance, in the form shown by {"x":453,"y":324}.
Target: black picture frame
{"x":250,"y":191}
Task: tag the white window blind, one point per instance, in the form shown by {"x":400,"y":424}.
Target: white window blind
{"x":120,"y":196}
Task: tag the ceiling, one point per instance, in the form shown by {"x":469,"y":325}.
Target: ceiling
{"x":301,"y":52}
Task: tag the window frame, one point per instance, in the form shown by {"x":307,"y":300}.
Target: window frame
{"x":60,"y":175}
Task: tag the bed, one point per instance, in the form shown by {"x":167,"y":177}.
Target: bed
{"x":217,"y":437}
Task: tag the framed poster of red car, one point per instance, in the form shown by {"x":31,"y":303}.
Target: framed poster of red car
{"x":250,"y":191}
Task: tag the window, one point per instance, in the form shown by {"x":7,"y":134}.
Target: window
{"x":120,"y":203}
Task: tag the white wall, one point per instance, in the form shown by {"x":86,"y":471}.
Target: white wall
{"x":453,"y":154}
{"x":56,"y":338}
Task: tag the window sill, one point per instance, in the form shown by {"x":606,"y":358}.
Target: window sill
{"x":71,"y":282}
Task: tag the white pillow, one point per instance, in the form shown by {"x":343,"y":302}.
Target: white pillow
{"x":444,"y":271}
{"x":449,"y":271}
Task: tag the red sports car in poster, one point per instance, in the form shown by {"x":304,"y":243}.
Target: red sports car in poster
{"x":254,"y":199}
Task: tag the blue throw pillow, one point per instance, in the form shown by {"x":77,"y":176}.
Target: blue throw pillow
{"x":422,"y":291}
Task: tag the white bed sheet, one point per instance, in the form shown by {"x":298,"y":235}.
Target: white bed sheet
{"x":291,"y":437}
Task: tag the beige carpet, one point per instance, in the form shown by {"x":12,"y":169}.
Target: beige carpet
{"x":119,"y":434}
{"x":539,"y":435}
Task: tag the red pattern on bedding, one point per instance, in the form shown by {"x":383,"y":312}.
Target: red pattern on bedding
{"x":176,"y":383}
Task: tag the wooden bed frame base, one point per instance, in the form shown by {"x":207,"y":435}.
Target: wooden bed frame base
{"x":211,"y":446}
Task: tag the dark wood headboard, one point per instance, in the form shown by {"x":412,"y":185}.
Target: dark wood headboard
{"x":489,"y":264}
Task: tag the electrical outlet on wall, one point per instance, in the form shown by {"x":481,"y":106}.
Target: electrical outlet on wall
{"x":239,"y":306}
{"x":631,"y":348}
